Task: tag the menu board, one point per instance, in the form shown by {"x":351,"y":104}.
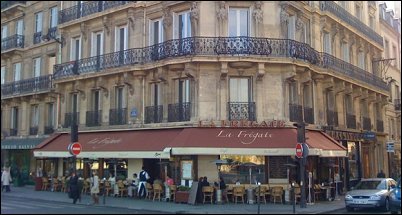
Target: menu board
{"x":277,"y":168}
{"x":187,"y":170}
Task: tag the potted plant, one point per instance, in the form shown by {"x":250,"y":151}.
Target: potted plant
{"x":182,"y":194}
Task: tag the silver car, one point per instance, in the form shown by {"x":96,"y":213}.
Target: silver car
{"x":370,"y":193}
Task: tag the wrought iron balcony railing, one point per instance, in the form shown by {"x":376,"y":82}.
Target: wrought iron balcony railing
{"x":213,"y":46}
{"x":6,"y":4}
{"x":88,"y":8}
{"x":295,"y":113}
{"x":397,"y":104}
{"x":37,"y":37}
{"x":154,"y":114}
{"x":33,"y":130}
{"x":52,"y":32}
{"x":38,"y":84}
{"x":118,"y":116}
{"x":366,"y":124}
{"x":49,"y":129}
{"x":332,"y":118}
{"x":350,"y":121}
{"x":15,"y":41}
{"x":309,"y":115}
{"x":68,"y":119}
{"x":179,"y":112}
{"x":94,"y":118}
{"x":345,"y":16}
{"x":242,"y":111}
{"x":380,"y":126}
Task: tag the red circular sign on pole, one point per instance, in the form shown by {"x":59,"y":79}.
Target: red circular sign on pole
{"x":75,"y":148}
{"x":299,"y":150}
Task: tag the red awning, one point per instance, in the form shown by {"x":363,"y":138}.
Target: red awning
{"x":252,"y":141}
{"x":111,"y":144}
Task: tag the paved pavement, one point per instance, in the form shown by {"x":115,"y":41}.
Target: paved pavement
{"x":130,"y":203}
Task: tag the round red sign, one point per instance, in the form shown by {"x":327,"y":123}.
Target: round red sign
{"x":299,"y":150}
{"x":75,"y":148}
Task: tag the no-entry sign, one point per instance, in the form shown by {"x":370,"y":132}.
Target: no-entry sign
{"x":299,"y":150}
{"x":75,"y":148}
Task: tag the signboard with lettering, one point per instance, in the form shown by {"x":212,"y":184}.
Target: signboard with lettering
{"x":369,"y":135}
{"x":243,"y":124}
{"x":390,"y":146}
{"x":133,"y":112}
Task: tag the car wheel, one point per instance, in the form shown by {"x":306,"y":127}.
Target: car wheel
{"x":386,"y":205}
{"x":349,"y":209}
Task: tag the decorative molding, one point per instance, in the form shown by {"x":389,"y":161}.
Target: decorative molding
{"x":258,"y":13}
{"x":284,"y":19}
{"x":130,"y":15}
{"x":84,"y":30}
{"x":334,"y":31}
{"x":222,"y":12}
{"x":224,"y":70}
{"x":167,"y":17}
{"x":194,"y":17}
{"x":106,"y":24}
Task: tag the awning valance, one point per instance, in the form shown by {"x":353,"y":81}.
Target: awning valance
{"x":111,"y":144}
{"x":252,"y":141}
{"x":20,"y":143}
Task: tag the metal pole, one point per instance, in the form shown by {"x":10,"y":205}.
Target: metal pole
{"x":293,"y":197}
{"x":258,"y":197}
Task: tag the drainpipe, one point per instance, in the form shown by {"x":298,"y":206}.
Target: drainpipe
{"x":143,"y":78}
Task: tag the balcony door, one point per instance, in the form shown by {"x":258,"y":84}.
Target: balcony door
{"x":121,"y":43}
{"x":241,"y":106}
{"x":239,"y":26}
{"x":19,"y":30}
{"x":97,"y":49}
{"x":14,"y":121}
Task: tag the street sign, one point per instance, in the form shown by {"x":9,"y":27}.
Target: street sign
{"x":299,"y":150}
{"x":133,"y":112}
{"x":75,"y":148}
{"x":390,"y":146}
{"x":369,"y":135}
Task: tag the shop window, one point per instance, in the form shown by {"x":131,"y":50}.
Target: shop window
{"x":240,"y":167}
{"x":121,"y":168}
{"x":352,"y":153}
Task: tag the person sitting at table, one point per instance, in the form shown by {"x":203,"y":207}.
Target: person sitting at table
{"x":113,"y":184}
{"x":133,"y":186}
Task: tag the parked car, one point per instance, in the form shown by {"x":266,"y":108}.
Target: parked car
{"x":395,"y":199}
{"x":370,"y":193}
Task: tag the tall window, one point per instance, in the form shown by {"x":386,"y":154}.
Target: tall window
{"x":327,"y":48}
{"x":50,"y":115}
{"x":19,"y":27}
{"x":358,"y":12}
{"x":240,"y":90}
{"x":17,"y":71}
{"x":4,"y":31}
{"x":34,"y":115}
{"x":155,"y":32}
{"x":184,"y":90}
{"x":75,"y":53}
{"x":53,"y":17}
{"x":74,"y":102}
{"x":14,"y":118}
{"x":96,"y":100}
{"x":395,"y":55}
{"x":372,"y":22}
{"x":239,"y":23}
{"x":330,"y":100}
{"x":386,"y":49}
{"x":292,"y":28}
{"x":361,"y":60}
{"x":345,"y":52}
{"x":3,"y":74}
{"x":121,"y":38}
{"x":181,"y":25}
{"x":36,"y":67}
{"x":97,"y":44}
{"x":308,"y":96}
{"x":38,"y":22}
{"x":156,"y":94}
{"x":293,"y":95}
{"x":51,"y":63}
{"x":349,"y":104}
{"x":119,"y":98}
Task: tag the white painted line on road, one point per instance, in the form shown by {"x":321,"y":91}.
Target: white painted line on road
{"x":17,"y":205}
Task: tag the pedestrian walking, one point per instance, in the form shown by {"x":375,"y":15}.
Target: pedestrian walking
{"x":6,"y":179}
{"x":73,"y":187}
{"x":144,"y":176}
{"x":95,"y":188}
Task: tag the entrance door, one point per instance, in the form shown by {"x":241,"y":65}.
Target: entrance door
{"x":153,"y":168}
{"x":366,"y":161}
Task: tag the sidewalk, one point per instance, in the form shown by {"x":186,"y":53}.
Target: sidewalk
{"x":231,"y":208}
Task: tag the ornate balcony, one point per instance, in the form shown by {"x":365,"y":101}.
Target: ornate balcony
{"x":33,"y":130}
{"x":11,"y":42}
{"x":350,"y":121}
{"x":154,"y":114}
{"x":397,"y":104}
{"x":49,"y":129}
{"x":242,"y":111}
{"x":345,"y":16}
{"x":68,"y":119}
{"x":380,"y":126}
{"x":332,"y":118}
{"x":366,"y":124}
{"x":308,"y":115}
{"x":179,"y":112}
{"x":94,"y":118}
{"x":32,"y":85}
{"x":118,"y":116}
{"x":295,"y":113}
{"x":37,"y":37}
{"x":13,"y":132}
{"x":216,"y":46}
{"x":88,"y":8}
{"x":7,"y":4}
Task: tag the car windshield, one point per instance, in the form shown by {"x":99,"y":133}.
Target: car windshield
{"x":371,"y":185}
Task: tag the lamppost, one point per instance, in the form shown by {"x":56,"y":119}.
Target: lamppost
{"x":301,"y":138}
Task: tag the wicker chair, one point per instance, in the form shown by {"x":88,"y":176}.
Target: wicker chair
{"x":261,"y":193}
{"x":173,"y":189}
{"x":86,"y":186}
{"x":45,"y":183}
{"x":207,"y":191}
{"x":238,"y":192}
{"x":276,"y":193}
{"x":157,"y":191}
{"x":150,"y":191}
{"x":122,"y":189}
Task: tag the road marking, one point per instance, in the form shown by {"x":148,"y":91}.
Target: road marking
{"x":17,"y":205}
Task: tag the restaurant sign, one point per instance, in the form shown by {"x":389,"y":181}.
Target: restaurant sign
{"x":242,"y":124}
{"x":244,"y":136}
{"x":344,"y":135}
{"x":25,"y":146}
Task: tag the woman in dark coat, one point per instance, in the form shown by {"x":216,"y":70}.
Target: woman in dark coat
{"x":74,"y":191}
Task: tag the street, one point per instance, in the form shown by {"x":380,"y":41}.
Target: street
{"x":360,"y":211}
{"x":13,"y":205}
